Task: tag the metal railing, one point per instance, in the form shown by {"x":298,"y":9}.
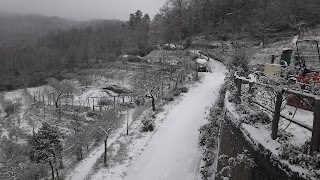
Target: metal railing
{"x":315,"y":139}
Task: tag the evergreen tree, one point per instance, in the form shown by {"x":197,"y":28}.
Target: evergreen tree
{"x":46,"y":146}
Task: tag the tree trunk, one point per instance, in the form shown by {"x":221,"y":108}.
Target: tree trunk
{"x":61,"y":164}
{"x":57,"y":172}
{"x":52,"y":170}
{"x":153,"y":104}
{"x":59,"y":114}
{"x":79,"y":154}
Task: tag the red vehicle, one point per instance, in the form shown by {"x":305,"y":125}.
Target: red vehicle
{"x":308,"y":57}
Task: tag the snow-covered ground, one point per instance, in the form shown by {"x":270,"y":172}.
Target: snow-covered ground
{"x":173,"y":151}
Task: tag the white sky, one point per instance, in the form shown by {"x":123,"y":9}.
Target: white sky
{"x":83,"y":9}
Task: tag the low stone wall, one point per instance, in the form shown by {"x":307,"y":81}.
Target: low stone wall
{"x":234,"y":141}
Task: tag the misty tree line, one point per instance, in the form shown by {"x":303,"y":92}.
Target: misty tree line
{"x":233,"y":19}
{"x":30,"y":63}
{"x":17,"y":28}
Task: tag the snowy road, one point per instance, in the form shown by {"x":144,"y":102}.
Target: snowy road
{"x":173,"y":152}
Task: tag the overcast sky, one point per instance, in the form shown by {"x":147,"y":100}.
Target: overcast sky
{"x":83,"y":9}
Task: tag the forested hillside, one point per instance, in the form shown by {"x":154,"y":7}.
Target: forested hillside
{"x":65,"y":51}
{"x":233,"y":19}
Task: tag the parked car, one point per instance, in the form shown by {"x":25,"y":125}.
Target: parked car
{"x":202,"y":65}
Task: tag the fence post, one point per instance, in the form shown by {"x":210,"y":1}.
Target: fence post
{"x":315,"y":139}
{"x":93,"y":103}
{"x":251,"y":90}
{"x":238,"y":85}
{"x":276,"y":116}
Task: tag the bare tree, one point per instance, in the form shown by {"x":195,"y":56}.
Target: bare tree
{"x":147,"y":83}
{"x":64,"y":88}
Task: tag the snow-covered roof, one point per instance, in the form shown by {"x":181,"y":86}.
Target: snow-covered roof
{"x":201,"y":61}
{"x":286,"y":49}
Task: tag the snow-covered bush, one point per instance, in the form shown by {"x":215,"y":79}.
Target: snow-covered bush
{"x":230,"y":163}
{"x":257,"y":117}
{"x":300,"y":156}
{"x":139,"y":101}
{"x":239,"y":61}
{"x":10,"y":108}
{"x":148,"y":121}
{"x":176,"y":92}
{"x":209,"y":135}
{"x":183,"y":89}
{"x":93,"y":114}
{"x":169,"y":97}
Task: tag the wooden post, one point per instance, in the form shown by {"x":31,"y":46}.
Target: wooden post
{"x":114,"y":101}
{"x":127,"y":120}
{"x":315,"y":139}
{"x":238,"y":85}
{"x":93,"y":104}
{"x":276,"y":116}
{"x":105,"y":151}
{"x":251,"y":90}
{"x":34,"y":96}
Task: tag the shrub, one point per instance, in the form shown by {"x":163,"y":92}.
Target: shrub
{"x":69,"y":76}
{"x":92,"y":114}
{"x":177,"y":92}
{"x":148,"y":122}
{"x":257,"y":117}
{"x":169,"y":97}
{"x":139,"y":101}
{"x":10,"y":108}
{"x":183,"y":89}
{"x":239,"y":61}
